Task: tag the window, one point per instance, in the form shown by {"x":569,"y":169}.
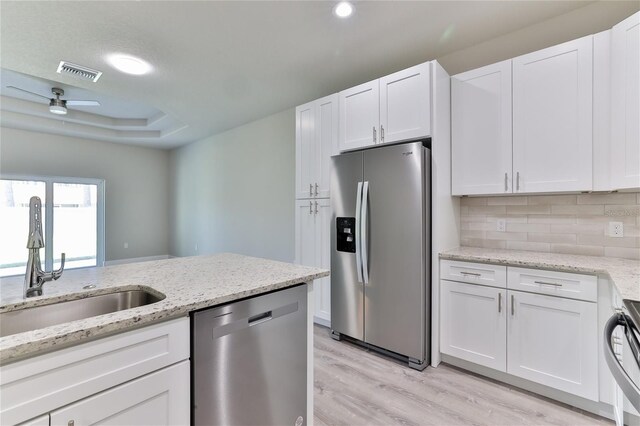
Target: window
{"x":73,"y":221}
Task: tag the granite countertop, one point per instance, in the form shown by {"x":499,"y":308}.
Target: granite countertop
{"x":624,"y":273}
{"x":189,"y":283}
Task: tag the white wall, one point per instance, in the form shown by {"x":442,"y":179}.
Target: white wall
{"x":234,"y":191}
{"x":136,"y":182}
{"x":590,"y":19}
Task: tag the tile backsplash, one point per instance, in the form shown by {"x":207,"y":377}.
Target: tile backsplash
{"x":574,"y":224}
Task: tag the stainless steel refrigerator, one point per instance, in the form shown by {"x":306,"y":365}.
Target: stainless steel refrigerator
{"x":380,"y":249}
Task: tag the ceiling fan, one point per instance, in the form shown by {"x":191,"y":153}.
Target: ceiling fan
{"x":57,"y":105}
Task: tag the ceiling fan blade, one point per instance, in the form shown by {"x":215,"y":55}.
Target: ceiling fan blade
{"x":83,"y":103}
{"x":26,"y":91}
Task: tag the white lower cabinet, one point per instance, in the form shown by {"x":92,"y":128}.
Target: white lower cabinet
{"x":473,"y":323}
{"x":312,"y":247}
{"x":553,"y":341}
{"x":547,"y":339}
{"x":136,"y":377}
{"x":160,"y":398}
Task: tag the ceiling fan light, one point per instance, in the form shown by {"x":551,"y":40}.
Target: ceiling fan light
{"x":57,"y":106}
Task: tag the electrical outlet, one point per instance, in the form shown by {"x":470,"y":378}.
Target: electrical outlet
{"x":126,"y":245}
{"x":501,"y":225}
{"x":616,"y":229}
{"x":196,"y":247}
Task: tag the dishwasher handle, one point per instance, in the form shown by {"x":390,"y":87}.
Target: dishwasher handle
{"x":626,"y":384}
{"x":260,"y":318}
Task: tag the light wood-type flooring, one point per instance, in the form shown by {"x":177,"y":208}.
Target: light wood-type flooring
{"x":357,"y":387}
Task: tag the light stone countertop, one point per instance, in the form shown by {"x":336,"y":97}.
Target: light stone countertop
{"x":189,"y":283}
{"x":624,"y":273}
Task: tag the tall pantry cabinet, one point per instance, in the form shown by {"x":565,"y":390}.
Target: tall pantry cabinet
{"x":316,"y":141}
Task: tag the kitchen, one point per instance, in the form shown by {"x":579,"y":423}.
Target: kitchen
{"x":471,"y":183}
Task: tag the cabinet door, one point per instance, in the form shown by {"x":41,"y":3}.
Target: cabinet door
{"x":322,"y":286}
{"x":554,"y":341}
{"x":405,"y":104}
{"x":473,"y":324}
{"x":625,"y":103}
{"x":481,"y":130}
{"x":160,"y":398}
{"x":38,"y":421}
{"x":305,"y":150}
{"x":552,"y":118}
{"x":326,"y":142}
{"x":359,"y":116}
{"x":305,"y":233}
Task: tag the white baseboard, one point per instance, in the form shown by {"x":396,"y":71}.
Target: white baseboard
{"x":322,"y":321}
{"x":136,"y":260}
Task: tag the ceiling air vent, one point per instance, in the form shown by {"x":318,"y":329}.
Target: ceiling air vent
{"x":78,"y":71}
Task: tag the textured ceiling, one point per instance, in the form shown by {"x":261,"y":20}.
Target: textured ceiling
{"x":218,"y":65}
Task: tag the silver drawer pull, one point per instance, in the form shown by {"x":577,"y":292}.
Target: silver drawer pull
{"x":499,"y":302}
{"x":513,"y":305}
{"x":548,"y":283}
{"x":473,"y":274}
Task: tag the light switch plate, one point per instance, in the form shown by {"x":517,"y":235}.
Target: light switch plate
{"x":616,"y":229}
{"x":501,"y":225}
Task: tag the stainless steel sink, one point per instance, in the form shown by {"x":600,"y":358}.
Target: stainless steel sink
{"x":33,"y":318}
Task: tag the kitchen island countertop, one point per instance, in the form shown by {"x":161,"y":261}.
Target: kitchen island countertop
{"x":624,"y":273}
{"x":189,"y":284}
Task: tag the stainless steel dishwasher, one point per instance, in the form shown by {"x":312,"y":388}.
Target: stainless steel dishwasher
{"x":249,"y":361}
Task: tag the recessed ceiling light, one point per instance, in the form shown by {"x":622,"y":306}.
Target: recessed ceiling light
{"x":129,"y":64}
{"x":343,"y":9}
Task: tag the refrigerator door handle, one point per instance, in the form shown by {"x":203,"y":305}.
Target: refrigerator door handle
{"x":357,"y":231}
{"x":363,"y":232}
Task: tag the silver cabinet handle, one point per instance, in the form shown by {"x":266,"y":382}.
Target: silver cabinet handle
{"x":374,"y":134}
{"x":316,"y":189}
{"x":499,"y":302}
{"x":506,"y":182}
{"x":473,"y":274}
{"x":310,"y":207}
{"x":513,"y":305}
{"x":381,"y":133}
{"x":310,"y":190}
{"x":316,"y":207}
{"x":548,"y":283}
{"x":518,"y":181}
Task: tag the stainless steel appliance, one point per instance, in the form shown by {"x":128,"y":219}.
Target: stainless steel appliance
{"x":631,"y":329}
{"x":249,"y":361}
{"x":380,"y":249}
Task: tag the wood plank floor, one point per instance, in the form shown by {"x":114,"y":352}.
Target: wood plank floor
{"x":356,"y":387}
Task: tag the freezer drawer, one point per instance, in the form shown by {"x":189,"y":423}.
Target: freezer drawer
{"x":250,"y":361}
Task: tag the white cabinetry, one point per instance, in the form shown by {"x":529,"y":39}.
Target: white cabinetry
{"x":391,"y":109}
{"x":553,"y":341}
{"x":312,"y":247}
{"x":481,"y":130}
{"x":625,"y":103}
{"x":160,"y":398}
{"x":473,"y":323}
{"x":316,"y":140}
{"x":552,"y":118}
{"x":538,"y":325}
{"x":43,"y":384}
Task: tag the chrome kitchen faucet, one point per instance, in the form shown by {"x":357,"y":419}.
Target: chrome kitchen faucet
{"x":35,"y":277}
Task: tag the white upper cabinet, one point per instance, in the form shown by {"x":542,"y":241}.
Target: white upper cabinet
{"x":316,"y":141}
{"x":305,"y":150}
{"x":359,"y":116}
{"x":405,"y":108}
{"x":552,"y":118}
{"x":391,"y":109}
{"x":625,"y":104}
{"x":481,"y":130}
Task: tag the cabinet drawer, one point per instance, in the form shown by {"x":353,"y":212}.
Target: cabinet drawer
{"x":562,"y":284}
{"x":41,"y":384}
{"x":474,"y":273}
